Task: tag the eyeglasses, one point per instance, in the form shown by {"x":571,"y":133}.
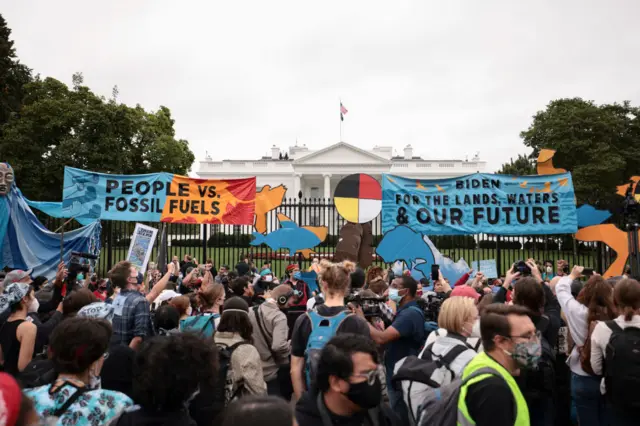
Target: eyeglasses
{"x":370,"y":376}
{"x":105,"y":355}
{"x":529,"y":336}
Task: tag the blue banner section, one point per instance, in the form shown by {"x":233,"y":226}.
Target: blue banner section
{"x":481,"y":203}
{"x":91,"y":196}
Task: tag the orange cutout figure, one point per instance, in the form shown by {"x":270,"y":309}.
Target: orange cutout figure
{"x":267,"y":199}
{"x":545,"y":163}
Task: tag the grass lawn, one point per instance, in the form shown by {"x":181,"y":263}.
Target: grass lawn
{"x":231,"y":255}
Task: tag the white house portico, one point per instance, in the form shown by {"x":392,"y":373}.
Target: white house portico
{"x":316,"y":173}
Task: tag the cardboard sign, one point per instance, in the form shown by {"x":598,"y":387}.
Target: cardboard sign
{"x":142,"y":241}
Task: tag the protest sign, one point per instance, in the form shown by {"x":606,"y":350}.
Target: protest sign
{"x":480,"y":203}
{"x":488,"y":267}
{"x":158,"y":197}
{"x":141,"y":245}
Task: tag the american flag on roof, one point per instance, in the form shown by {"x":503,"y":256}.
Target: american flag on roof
{"x":343,"y":111}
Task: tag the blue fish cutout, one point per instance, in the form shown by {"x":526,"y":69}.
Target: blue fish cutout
{"x":418,"y":253}
{"x":589,"y":215}
{"x":405,"y":244}
{"x":292,"y":237}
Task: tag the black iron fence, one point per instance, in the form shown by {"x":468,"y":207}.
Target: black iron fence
{"x":226,"y":244}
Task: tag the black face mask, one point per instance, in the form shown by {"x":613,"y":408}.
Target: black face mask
{"x":365,"y":395}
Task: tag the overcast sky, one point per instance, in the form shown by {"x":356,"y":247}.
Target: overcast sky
{"x":449,"y":77}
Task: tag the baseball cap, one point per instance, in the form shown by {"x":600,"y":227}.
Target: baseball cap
{"x":465,"y":291}
{"x":15,"y":276}
{"x":266,"y":271}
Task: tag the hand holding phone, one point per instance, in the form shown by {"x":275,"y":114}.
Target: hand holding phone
{"x":435,"y":273}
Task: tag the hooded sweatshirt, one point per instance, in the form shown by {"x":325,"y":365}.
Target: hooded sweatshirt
{"x":272,"y":345}
{"x":245,"y":365}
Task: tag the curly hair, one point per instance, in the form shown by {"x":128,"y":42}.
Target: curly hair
{"x":336,"y":276}
{"x":374,"y":273}
{"x":191,"y":360}
{"x":76,"y":343}
{"x":236,"y":322}
{"x":597,"y":296}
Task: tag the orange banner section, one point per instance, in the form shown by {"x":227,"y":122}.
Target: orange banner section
{"x":210,"y":201}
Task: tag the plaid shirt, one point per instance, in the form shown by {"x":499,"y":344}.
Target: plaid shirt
{"x":131,"y":317}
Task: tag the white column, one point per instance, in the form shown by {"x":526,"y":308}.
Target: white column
{"x":327,"y":185}
{"x":296,"y":185}
{"x":327,"y":195}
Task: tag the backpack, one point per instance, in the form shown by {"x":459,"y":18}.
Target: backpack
{"x":322,"y":330}
{"x":53,"y":418}
{"x":39,"y":372}
{"x":424,"y":372}
{"x":585,"y":351}
{"x":622,"y":368}
{"x":539,"y":382}
{"x":223,"y":392}
{"x":440,"y":405}
{"x":204,"y":325}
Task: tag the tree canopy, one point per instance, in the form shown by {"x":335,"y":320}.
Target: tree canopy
{"x":522,"y":166}
{"x":599,"y":144}
{"x":54,"y":126}
{"x":13,"y":76}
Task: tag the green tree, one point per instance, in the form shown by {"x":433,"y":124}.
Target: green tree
{"x":599,"y":144}
{"x":13,"y":76}
{"x":59,"y":126}
{"x":522,"y":166}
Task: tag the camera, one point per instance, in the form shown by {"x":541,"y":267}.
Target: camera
{"x":75,"y":266}
{"x":430,"y":304}
{"x":522,"y":267}
{"x":370,"y":305}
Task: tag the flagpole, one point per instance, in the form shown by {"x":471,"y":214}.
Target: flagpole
{"x":340,"y":120}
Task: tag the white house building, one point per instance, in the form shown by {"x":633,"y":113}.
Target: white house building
{"x":316,"y":173}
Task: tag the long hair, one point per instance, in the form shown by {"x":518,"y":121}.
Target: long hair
{"x":597,"y":296}
{"x":208,"y":297}
{"x":627,"y":297}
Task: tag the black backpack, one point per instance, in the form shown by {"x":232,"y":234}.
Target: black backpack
{"x":223,"y":392}
{"x":539,"y":382}
{"x":39,"y":372}
{"x":622,"y":367}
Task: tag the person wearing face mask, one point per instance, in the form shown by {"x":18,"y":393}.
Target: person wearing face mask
{"x":451,"y":346}
{"x":547,"y":273}
{"x":78,"y":347}
{"x":538,"y":384}
{"x":18,"y":334}
{"x":270,"y":337}
{"x":349,"y":392}
{"x":511,"y":343}
{"x":403,"y":338}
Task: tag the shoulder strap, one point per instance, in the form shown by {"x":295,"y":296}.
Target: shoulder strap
{"x":428,"y":351}
{"x":613,"y":326}
{"x":236,"y":345}
{"x":209,"y":320}
{"x":480,"y":372}
{"x":73,"y":398}
{"x":453,"y":354}
{"x":269,"y":342}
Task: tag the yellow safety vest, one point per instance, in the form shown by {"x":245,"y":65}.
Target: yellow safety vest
{"x":482,"y":360}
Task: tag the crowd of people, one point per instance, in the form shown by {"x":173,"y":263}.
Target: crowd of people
{"x":197,"y":345}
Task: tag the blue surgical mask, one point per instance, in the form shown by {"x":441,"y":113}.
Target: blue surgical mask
{"x":394,"y":295}
{"x":80,"y":277}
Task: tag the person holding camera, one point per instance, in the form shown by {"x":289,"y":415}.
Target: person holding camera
{"x":404,"y":337}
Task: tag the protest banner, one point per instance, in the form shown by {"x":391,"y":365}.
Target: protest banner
{"x":158,"y":197}
{"x":488,"y":267}
{"x":142,"y":242}
{"x":481,"y":203}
